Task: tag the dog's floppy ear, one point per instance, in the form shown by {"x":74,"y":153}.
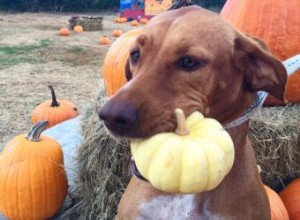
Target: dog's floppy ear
{"x":262,"y":70}
{"x":128,"y":73}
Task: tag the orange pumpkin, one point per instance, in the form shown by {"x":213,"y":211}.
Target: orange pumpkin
{"x":134,"y":23}
{"x":78,"y":29}
{"x":120,"y":20}
{"x":104,"y":40}
{"x":117,"y":33}
{"x":291,"y":198}
{"x":278,"y":210}
{"x":64,"y":32}
{"x":123,"y":19}
{"x":54,"y":111}
{"x":33,"y":181}
{"x":277,"y":23}
{"x":144,"y":20}
{"x":115,"y":61}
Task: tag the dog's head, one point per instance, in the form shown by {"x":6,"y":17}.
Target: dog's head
{"x":190,"y":58}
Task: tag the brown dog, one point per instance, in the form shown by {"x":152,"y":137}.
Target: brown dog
{"x":192,"y":59}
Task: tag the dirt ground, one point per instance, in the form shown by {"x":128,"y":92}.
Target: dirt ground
{"x":33,"y":55}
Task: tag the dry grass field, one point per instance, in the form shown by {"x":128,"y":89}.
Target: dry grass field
{"x":33,"y":55}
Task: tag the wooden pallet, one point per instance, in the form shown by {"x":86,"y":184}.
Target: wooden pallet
{"x":88,"y":23}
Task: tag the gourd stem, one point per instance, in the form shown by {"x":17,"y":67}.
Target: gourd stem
{"x":36,"y":130}
{"x":54,"y":103}
{"x":181,"y":123}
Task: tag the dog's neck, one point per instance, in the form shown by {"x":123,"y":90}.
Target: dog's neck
{"x":260,"y":98}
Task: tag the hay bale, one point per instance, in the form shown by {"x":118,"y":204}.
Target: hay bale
{"x":88,"y":23}
{"x":103,"y":171}
{"x":275,"y":135}
{"x":103,"y":162}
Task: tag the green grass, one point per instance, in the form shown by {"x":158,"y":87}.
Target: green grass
{"x":13,"y":55}
{"x":11,"y":61}
{"x":76,"y":49}
{"x":45,"y":42}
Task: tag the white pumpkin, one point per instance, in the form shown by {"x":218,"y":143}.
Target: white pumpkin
{"x":194,"y":159}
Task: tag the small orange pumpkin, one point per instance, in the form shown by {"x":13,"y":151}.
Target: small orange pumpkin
{"x":144,"y":20}
{"x":134,"y":23}
{"x":64,"y":32}
{"x":54,"y":111}
{"x":32,"y":176}
{"x":123,"y":19}
{"x":78,"y":29}
{"x":277,"y":23}
{"x":278,"y":209}
{"x":104,"y":40}
{"x":115,"y":61}
{"x":117,"y":33}
{"x":291,"y":198}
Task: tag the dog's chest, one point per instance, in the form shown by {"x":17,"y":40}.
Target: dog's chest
{"x":179,"y":207}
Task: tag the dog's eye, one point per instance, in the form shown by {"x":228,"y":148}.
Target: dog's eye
{"x":134,"y":56}
{"x":189,"y":63}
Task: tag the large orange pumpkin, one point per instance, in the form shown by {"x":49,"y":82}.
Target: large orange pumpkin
{"x":277,"y":23}
{"x":33,"y":181}
{"x":291,"y":198}
{"x":115,"y":61}
{"x":54,"y":111}
{"x":278,"y":210}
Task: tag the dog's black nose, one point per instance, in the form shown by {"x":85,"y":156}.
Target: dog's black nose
{"x":118,"y":116}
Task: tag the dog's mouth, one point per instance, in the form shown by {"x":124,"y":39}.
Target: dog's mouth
{"x":135,"y":170}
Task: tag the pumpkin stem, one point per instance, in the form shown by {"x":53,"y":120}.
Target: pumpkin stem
{"x":181,"y":123}
{"x":36,"y":130}
{"x":54,"y":103}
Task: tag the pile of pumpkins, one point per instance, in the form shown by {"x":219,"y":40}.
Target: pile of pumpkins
{"x":33,"y":181}
{"x":285,"y":204}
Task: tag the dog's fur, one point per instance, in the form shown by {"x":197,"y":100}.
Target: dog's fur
{"x":191,"y":58}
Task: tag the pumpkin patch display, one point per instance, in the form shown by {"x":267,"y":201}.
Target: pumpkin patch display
{"x":115,"y":61}
{"x":33,"y":181}
{"x":194,"y":159}
{"x":291,"y":199}
{"x":277,"y":23}
{"x":278,"y":209}
{"x":64,"y":32}
{"x":54,"y":111}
